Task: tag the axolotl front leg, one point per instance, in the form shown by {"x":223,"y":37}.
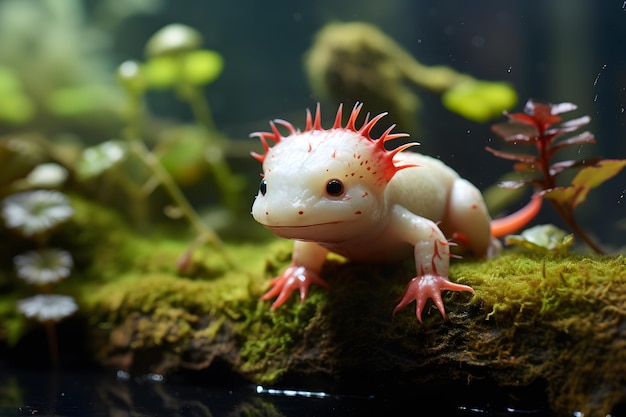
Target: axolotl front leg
{"x":432,"y":259}
{"x":304,"y":270}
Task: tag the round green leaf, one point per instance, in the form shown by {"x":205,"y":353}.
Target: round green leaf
{"x":202,"y":67}
{"x":480,"y":100}
{"x":173,"y":39}
{"x":161,"y":72}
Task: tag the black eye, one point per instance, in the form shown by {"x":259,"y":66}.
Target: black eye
{"x":334,"y":187}
{"x":263,"y":187}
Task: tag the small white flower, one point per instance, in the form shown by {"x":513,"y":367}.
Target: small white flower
{"x":47,"y":307}
{"x":44,"y":266}
{"x":34,"y":212}
{"x":47,"y":175}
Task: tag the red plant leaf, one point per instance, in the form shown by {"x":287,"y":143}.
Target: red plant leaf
{"x":521,"y":118}
{"x":562,"y":108}
{"x":524,"y":167}
{"x":542,"y":114}
{"x":559,"y":167}
{"x":574,"y":124}
{"x":513,"y":131}
{"x":582,"y":139}
{"x":527,"y":158}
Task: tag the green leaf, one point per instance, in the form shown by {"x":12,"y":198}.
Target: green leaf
{"x":161,"y":72}
{"x":202,"y":67}
{"x":97,"y":159}
{"x":480,"y":100}
{"x":586,"y":179}
{"x":593,"y":176}
{"x":172,"y":39}
{"x":545,"y":237}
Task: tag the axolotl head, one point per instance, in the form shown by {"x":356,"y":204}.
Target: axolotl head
{"x":324,"y":185}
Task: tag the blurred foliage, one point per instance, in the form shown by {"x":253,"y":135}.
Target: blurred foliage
{"x":356,"y":61}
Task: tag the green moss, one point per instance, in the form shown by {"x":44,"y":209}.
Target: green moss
{"x":524,"y":284}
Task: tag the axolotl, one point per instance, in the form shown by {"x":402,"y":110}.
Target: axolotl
{"x":339,"y":190}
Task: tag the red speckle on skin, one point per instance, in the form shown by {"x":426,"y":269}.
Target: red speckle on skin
{"x":474,"y":206}
{"x":357,"y":212}
{"x":301,"y":212}
{"x":352,"y":175}
{"x":368,"y":168}
{"x":334,"y":155}
{"x":365,"y":194}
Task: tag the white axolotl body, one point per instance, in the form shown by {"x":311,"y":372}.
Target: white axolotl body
{"x":339,"y":190}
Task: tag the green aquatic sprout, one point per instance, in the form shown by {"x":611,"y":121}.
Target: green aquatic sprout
{"x":132,"y":78}
{"x":540,"y":126}
{"x":175,"y":61}
{"x":545,"y":237}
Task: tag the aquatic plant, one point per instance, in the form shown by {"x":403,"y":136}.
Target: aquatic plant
{"x":55,"y":72}
{"x":538,"y":126}
{"x":35,"y":214}
{"x":32,"y":213}
{"x":44,"y":266}
{"x":544,"y":237}
{"x":175,"y":61}
{"x":47,"y":307}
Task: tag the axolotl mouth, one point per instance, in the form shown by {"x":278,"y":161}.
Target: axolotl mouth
{"x":313,"y":232}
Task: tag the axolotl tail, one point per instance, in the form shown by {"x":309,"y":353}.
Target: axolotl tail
{"x":517,"y":220}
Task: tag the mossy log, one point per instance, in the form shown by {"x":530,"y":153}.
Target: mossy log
{"x":549,"y":321}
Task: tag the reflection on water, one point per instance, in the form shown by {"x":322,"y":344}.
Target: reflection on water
{"x":108,"y":394}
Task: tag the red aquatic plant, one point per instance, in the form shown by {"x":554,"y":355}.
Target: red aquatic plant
{"x":541,"y":126}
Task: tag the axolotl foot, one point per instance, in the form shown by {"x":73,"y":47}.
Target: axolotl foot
{"x":428,"y":286}
{"x":294,"y":278}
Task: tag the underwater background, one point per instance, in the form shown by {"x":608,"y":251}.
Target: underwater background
{"x":65,"y":55}
{"x":68,"y":84}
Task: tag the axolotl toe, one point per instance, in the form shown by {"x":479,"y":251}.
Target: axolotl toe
{"x":339,"y":190}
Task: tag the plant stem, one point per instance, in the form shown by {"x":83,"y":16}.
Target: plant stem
{"x":133,"y":135}
{"x":228,"y":184}
{"x":568,"y":216}
{"x":52,"y":343}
